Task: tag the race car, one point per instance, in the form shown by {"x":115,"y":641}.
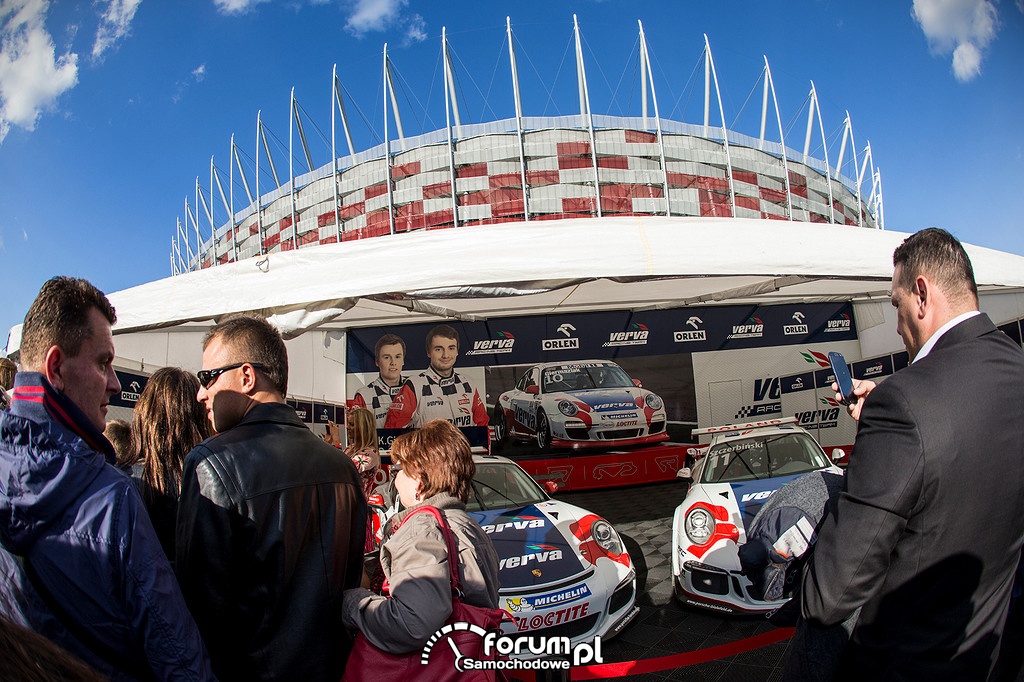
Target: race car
{"x":741,"y":468}
{"x":579,"y":404}
{"x":564,"y":571}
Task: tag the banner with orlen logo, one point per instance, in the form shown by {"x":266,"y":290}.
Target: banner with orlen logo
{"x":131,"y":386}
{"x":615,"y":334}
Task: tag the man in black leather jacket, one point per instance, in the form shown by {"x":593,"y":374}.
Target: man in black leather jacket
{"x":271,"y":520}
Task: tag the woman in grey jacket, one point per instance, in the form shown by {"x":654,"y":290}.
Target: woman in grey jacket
{"x":435,"y":468}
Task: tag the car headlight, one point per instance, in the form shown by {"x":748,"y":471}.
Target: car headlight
{"x":568,"y":408}
{"x":699,"y":525}
{"x":654,"y":402}
{"x":606,"y":537}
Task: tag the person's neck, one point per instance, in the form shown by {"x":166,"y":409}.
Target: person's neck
{"x":391,"y":384}
{"x":443,"y":375}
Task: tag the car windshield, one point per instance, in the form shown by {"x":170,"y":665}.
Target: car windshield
{"x":762,"y":457}
{"x":498,"y":485}
{"x":581,"y":377}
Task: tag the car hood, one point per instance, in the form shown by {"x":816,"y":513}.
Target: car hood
{"x":606,"y":399}
{"x":748,"y":496}
{"x":532,"y":545}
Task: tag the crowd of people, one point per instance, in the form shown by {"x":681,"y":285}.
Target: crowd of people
{"x":216,"y":537}
{"x":221,"y":538}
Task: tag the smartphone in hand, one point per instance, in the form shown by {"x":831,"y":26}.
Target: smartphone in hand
{"x":843,"y":378}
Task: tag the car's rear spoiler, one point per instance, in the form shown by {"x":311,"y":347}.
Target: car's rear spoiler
{"x":744,"y":426}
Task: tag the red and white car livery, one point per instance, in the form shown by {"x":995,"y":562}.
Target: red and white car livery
{"x":579,"y":404}
{"x":564,"y":572}
{"x":743,"y":466}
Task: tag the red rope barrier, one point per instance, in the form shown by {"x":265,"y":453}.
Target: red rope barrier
{"x":651,"y":665}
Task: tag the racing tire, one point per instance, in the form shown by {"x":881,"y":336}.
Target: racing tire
{"x":500,"y":426}
{"x":543,"y":432}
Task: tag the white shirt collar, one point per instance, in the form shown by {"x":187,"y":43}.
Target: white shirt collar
{"x":930,"y":343}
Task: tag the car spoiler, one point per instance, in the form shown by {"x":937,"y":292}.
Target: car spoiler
{"x":744,"y":426}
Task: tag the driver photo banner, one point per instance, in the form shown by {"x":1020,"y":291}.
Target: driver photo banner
{"x":617,"y":334}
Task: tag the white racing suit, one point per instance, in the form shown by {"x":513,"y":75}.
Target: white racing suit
{"x":376,"y":396}
{"x":428,"y":396}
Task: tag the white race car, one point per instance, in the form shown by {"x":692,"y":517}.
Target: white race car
{"x":743,"y":465}
{"x":579,"y":404}
{"x":564,"y":571}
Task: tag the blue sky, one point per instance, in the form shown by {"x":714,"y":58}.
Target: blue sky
{"x":109,"y":109}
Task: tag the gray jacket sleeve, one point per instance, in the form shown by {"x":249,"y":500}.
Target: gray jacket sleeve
{"x":421,"y":596}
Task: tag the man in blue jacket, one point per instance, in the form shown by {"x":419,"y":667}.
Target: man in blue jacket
{"x":79,"y":560}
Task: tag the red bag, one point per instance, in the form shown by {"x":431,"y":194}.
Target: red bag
{"x":462,"y":634}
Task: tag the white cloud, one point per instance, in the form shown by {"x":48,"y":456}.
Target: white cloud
{"x":964,"y":28}
{"x":32,"y":77}
{"x":114,"y":24}
{"x":199,"y":73}
{"x":382,"y":15}
{"x":416,"y":31}
{"x":373,"y":15}
{"x":235,"y":6}
{"x":24,"y":234}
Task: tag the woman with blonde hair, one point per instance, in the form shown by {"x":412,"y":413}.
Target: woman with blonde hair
{"x":433,"y":467}
{"x":168,"y":422}
{"x":362,"y":446}
{"x":362,"y":450}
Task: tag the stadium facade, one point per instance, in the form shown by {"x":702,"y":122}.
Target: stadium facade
{"x":530,"y":168}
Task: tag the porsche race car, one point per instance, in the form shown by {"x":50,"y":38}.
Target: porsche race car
{"x":743,"y":466}
{"x":579,"y":404}
{"x":564,"y":571}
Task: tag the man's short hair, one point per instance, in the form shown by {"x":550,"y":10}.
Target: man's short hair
{"x":444,"y":331}
{"x":251,"y":338}
{"x":387,"y":340}
{"x":939,"y":255}
{"x":60,"y":317}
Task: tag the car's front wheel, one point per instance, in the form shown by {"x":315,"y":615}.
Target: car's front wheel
{"x":543,"y":431}
{"x":500,"y":426}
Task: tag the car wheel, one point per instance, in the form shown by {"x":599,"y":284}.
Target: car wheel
{"x":543,"y":431}
{"x":500,"y":426}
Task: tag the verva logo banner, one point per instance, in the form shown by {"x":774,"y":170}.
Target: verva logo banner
{"x":502,"y":344}
{"x":636,"y":335}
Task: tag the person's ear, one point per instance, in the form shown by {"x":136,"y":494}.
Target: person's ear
{"x":922,"y":291}
{"x":249,"y":378}
{"x":53,"y":366}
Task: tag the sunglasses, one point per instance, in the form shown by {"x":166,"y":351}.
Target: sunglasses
{"x":208,"y":376}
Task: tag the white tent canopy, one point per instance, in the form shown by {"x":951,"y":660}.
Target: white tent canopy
{"x":541,"y":267}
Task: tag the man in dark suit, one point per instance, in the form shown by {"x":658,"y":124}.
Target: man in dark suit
{"x":928,"y":531}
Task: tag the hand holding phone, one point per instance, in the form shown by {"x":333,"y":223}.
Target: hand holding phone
{"x":843,"y":378}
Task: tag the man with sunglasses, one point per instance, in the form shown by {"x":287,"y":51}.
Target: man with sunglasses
{"x":271,"y":520}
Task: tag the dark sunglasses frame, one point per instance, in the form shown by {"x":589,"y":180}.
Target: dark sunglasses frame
{"x":208,"y":376}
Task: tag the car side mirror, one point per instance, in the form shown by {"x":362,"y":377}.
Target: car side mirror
{"x":533,"y":390}
{"x":838,"y":454}
{"x":638,"y":383}
{"x":551,"y":487}
{"x":685,"y":474}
